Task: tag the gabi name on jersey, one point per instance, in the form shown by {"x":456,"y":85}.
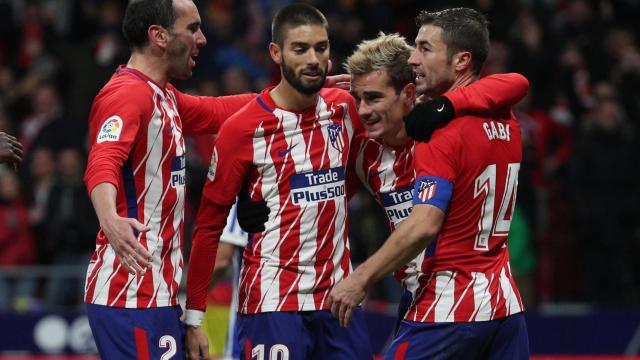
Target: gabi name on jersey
{"x":497,"y":131}
{"x":398,"y":204}
{"x":319,"y":185}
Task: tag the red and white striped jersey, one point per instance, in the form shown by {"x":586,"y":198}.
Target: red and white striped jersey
{"x":387,"y":173}
{"x":465,"y":275}
{"x":295,"y":161}
{"x":136,"y":132}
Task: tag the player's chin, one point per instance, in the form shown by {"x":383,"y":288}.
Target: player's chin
{"x":184,"y":75}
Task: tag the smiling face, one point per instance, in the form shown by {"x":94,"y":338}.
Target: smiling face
{"x":184,"y":40}
{"x":434,"y":69}
{"x":304,"y":57}
{"x":380,"y":106}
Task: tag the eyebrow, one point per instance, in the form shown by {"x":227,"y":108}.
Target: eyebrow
{"x":372,"y":93}
{"x":423,"y":42}
{"x":302,"y":43}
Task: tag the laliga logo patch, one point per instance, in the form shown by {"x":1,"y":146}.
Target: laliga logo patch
{"x":335,"y":136}
{"x":214,"y":164}
{"x":427,"y":190}
{"x":110,"y":130}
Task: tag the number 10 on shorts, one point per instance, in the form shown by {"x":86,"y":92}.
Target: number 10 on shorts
{"x":277,"y":352}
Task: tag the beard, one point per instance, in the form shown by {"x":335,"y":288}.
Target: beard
{"x":178,"y":58}
{"x":303,"y":86}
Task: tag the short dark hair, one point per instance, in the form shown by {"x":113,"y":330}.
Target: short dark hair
{"x":292,"y":16}
{"x":463,"y":29}
{"x":140,"y":14}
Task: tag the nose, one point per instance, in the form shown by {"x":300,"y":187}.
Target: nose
{"x":364,"y":110}
{"x":313,"y":59}
{"x":201,"y":40}
{"x":413,"y":59}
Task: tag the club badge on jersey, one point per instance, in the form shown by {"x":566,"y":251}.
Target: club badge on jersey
{"x":335,"y":136}
{"x":434,"y":191}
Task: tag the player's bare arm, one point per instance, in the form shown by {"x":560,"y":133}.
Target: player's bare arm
{"x":412,"y":236}
{"x":10,"y":149}
{"x":120,"y":230}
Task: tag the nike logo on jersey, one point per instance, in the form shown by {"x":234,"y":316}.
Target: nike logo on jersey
{"x":283,"y":153}
{"x":375,"y":173}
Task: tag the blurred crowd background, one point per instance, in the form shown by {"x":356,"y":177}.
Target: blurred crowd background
{"x":575,"y":236}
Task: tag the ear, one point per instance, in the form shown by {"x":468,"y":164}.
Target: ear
{"x":409,"y":95}
{"x":158,"y":35}
{"x":462,"y":61}
{"x":275,"y":52}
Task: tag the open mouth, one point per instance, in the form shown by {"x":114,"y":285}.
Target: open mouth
{"x":371,"y":121}
{"x":192,"y":60}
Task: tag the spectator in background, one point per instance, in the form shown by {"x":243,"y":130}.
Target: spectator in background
{"x":40,"y":181}
{"x":604,"y":193}
{"x":16,"y":242}
{"x":70,"y":225}
{"x":48,"y":125}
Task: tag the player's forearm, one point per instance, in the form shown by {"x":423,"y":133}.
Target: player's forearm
{"x":412,"y":236}
{"x":489,"y":95}
{"x":103,"y":197}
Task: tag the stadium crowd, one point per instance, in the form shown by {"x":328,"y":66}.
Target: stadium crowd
{"x":577,"y":227}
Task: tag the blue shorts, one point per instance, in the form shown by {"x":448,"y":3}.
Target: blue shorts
{"x":122,"y":333}
{"x":403,"y":308}
{"x":504,"y":338}
{"x":303,"y":335}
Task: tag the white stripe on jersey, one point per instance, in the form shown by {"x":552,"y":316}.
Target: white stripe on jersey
{"x":511,"y":300}
{"x":482,"y":297}
{"x":445,"y":288}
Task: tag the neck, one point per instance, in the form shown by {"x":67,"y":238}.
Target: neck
{"x":152,"y":66}
{"x":463,"y":80}
{"x":398,"y":139}
{"x":287,"y":97}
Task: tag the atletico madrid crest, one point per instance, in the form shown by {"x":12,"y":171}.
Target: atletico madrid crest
{"x":427,"y":190}
{"x":335,"y":136}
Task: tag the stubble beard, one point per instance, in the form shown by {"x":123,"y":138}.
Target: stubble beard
{"x":307,"y":88}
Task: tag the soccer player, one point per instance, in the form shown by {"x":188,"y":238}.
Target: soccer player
{"x":291,"y":145}
{"x":466,"y":303}
{"x":136,"y":180}
{"x":382,"y":82}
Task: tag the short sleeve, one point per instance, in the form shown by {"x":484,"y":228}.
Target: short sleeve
{"x":114,"y":124}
